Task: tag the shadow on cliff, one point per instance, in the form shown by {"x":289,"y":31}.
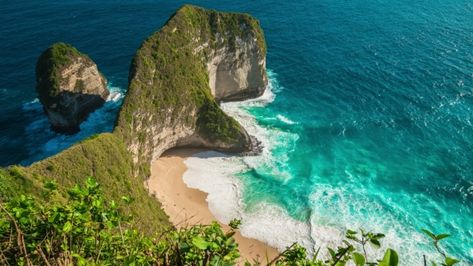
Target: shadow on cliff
{"x":66,"y":118}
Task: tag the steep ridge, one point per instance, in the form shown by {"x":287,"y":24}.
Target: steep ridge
{"x":179,"y":73}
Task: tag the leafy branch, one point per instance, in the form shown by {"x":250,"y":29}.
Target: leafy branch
{"x":87,"y":229}
{"x":447,"y":261}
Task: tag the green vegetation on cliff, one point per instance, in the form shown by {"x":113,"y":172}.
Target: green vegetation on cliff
{"x":49,"y":66}
{"x":169,"y":84}
{"x":168,"y":72}
{"x":104,"y":157}
{"x":86,"y":228}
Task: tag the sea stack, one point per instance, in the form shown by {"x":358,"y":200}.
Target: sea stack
{"x":70,"y":87}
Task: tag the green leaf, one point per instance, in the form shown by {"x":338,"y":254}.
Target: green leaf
{"x":316,"y":253}
{"x":375,"y":242}
{"x":442,"y":236}
{"x":352,"y":237}
{"x":378,"y":236}
{"x":390,"y":258}
{"x":450,"y":261}
{"x":126,"y":199}
{"x":229,"y":241}
{"x":235,"y":224}
{"x":427,"y":232}
{"x":351,"y":232}
{"x":200,"y":243}
{"x":332,"y":253}
{"x":67,"y":227}
{"x":230,"y":234}
{"x":91,"y":183}
{"x":359,"y":259}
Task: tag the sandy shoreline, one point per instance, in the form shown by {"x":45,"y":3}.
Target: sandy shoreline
{"x":188,"y":206}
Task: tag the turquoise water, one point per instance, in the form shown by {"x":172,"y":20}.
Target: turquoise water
{"x":371,"y":124}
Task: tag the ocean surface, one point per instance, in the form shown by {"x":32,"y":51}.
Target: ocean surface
{"x":367,"y":122}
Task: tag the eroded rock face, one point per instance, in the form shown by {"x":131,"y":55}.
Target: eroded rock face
{"x":237,"y":73}
{"x":70,"y":87}
{"x":179,"y":74}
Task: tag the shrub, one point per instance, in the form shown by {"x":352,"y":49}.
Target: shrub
{"x":86,"y":229}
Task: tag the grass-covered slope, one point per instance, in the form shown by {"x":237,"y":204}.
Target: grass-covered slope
{"x":103,"y":157}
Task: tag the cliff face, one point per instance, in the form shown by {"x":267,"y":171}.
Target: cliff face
{"x":180,"y":72}
{"x":69,"y":86}
{"x":236,"y":65}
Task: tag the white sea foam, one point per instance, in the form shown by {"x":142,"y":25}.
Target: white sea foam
{"x":285,"y":120}
{"x":214,"y":173}
{"x":115,"y":94}
{"x":269,"y":137}
{"x":271,"y":224}
{"x":352,"y":209}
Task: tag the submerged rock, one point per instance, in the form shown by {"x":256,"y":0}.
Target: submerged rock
{"x":70,"y":87}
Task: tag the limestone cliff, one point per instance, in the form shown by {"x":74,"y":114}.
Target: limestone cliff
{"x":236,"y":63}
{"x":69,"y":86}
{"x":179,"y":73}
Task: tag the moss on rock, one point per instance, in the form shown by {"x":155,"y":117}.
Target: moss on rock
{"x":69,"y":86}
{"x":49,"y":66}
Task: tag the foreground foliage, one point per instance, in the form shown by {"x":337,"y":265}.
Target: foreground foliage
{"x":87,"y":229}
{"x":106,"y":158}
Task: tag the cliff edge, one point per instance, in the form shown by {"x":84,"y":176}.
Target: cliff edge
{"x":180,"y":73}
{"x":69,"y":86}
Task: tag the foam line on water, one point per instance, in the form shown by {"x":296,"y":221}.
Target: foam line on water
{"x":351,"y":208}
{"x":215,"y":174}
{"x":333,"y":209}
{"x":285,"y":119}
{"x":270,"y":138}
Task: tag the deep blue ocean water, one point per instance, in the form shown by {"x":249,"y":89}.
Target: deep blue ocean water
{"x":377,"y":96}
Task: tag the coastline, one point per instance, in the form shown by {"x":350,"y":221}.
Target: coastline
{"x":187,"y":206}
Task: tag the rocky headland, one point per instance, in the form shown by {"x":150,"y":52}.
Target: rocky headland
{"x":179,"y":74}
{"x":177,"y":78}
